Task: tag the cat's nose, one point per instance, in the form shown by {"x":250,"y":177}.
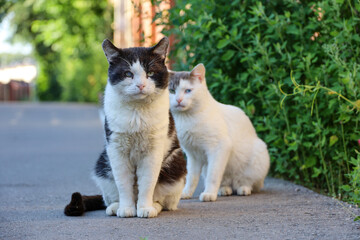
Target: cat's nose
{"x":141,"y":86}
{"x":179,"y":100}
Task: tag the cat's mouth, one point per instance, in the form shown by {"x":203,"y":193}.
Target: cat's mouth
{"x":179,"y":106}
{"x":140,"y":94}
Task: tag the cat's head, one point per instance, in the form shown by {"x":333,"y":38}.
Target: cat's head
{"x":139,"y":72}
{"x":187,"y":88}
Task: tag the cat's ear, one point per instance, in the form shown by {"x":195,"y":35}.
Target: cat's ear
{"x":110,"y":50}
{"x":162,"y":47}
{"x":171,"y":74}
{"x":198,"y":72}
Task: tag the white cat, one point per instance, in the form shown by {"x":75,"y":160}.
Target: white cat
{"x":142,"y":169}
{"x":219,"y":140}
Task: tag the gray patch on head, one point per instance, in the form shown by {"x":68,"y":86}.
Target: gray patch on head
{"x":175,"y":78}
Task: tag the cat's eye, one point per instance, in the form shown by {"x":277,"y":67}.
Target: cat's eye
{"x":129,"y":74}
{"x":172,"y":91}
{"x":188,"y":91}
{"x":150,"y":74}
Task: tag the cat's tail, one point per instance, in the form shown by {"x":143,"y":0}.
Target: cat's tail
{"x":80,"y":204}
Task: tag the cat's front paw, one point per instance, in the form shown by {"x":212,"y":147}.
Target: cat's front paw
{"x":244,"y":191}
{"x":112,"y":209}
{"x":125,"y":212}
{"x":147,"y":212}
{"x":207,"y":197}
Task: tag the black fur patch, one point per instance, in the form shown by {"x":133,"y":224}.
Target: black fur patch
{"x":171,"y":125}
{"x":108,"y":132}
{"x":175,"y":167}
{"x":149,"y":58}
{"x":102,"y":167}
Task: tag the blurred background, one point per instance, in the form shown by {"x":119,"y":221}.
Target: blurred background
{"x":293,"y":66}
{"x":51,"y":50}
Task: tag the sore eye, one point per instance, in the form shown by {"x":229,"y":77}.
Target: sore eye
{"x":150,"y":74}
{"x":129,"y":74}
{"x":187,"y":90}
{"x":172,"y":91}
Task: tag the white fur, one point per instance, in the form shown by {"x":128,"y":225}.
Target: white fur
{"x":137,"y":147}
{"x":219,"y":141}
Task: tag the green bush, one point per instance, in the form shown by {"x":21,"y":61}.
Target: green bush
{"x":66,"y":36}
{"x":259,"y":52}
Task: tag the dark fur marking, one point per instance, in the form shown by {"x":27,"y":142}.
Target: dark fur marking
{"x":108,"y":132}
{"x":119,"y":60}
{"x":102,"y":167}
{"x":175,"y":78}
{"x":171,"y":125}
{"x":176,"y":169}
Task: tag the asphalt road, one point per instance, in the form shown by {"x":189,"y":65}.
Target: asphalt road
{"x":47,"y":152}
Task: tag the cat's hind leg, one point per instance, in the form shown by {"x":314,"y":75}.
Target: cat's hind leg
{"x":172,"y":201}
{"x":158,"y":207}
{"x":244,"y":191}
{"x":225,"y":191}
{"x":168,"y":195}
{"x":112,"y":209}
{"x":225,"y":187}
{"x":243,"y":185}
{"x":109,"y":193}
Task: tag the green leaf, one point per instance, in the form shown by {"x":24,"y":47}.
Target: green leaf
{"x":287,"y":14}
{"x":333,"y":140}
{"x":356,"y":37}
{"x":346,"y":188}
{"x":234,"y":32}
{"x":228,"y":55}
{"x":317,"y":172}
{"x":222,"y":43}
{"x":310,"y":162}
{"x":334,"y":33}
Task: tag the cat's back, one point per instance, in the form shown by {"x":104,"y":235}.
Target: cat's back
{"x":239,"y":124}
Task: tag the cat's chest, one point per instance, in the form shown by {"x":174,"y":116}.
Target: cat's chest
{"x":125,"y":120}
{"x":190,"y":132}
{"x":200,"y":132}
{"x":133,"y":145}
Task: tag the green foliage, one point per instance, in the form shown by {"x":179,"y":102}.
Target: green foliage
{"x":250,"y":48}
{"x":66,"y":36}
{"x":352,"y":189}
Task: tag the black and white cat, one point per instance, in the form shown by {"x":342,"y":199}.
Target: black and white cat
{"x":219,"y":140}
{"x":142,"y":169}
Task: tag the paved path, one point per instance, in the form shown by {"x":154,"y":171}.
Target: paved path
{"x":48,"y":150}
